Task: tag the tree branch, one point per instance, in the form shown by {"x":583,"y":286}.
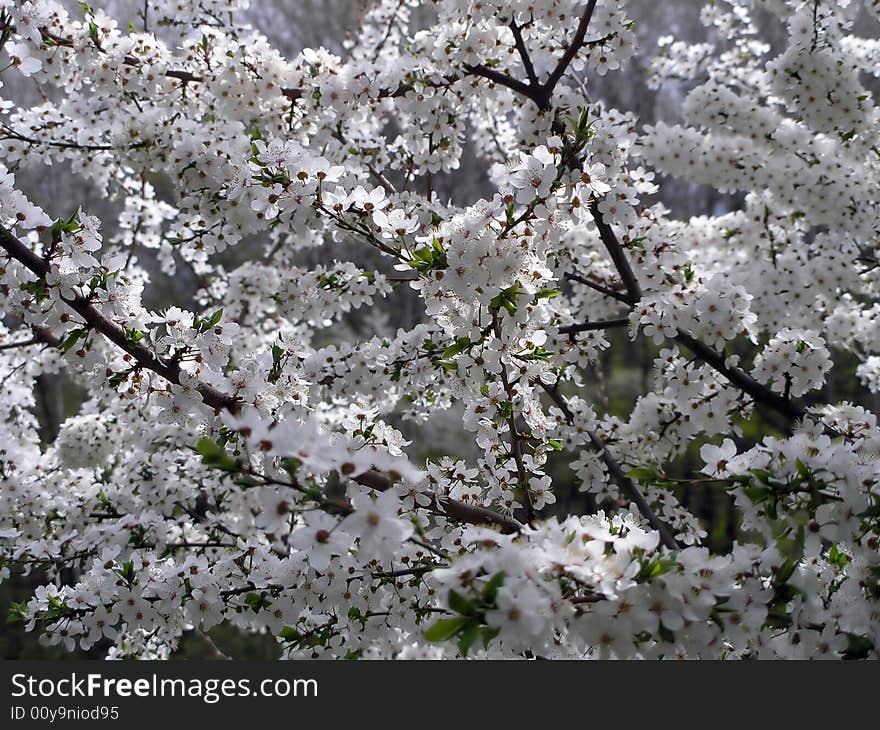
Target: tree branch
{"x":504,"y":80}
{"x":760,"y":393}
{"x":602,"y":324}
{"x":617,"y":254}
{"x":627,"y":486}
{"x":212,"y":397}
{"x":523,"y":53}
{"x":573,"y":47}
{"x":596,"y":286}
{"x":112,"y":331}
{"x":24,"y":343}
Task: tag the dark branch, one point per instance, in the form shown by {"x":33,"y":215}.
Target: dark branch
{"x":627,"y":486}
{"x":212,"y":397}
{"x":602,"y":289}
{"x":760,"y":393}
{"x":574,"y":46}
{"x":523,"y":53}
{"x":504,"y":80}
{"x":632,"y":492}
{"x":617,"y":254}
{"x":112,"y":331}
{"x":603,"y":324}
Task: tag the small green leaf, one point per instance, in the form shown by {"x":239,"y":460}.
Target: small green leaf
{"x":644,"y":474}
{"x":288,"y":633}
{"x":548,"y":293}
{"x":461,"y":344}
{"x":459,"y":603}
{"x":467,"y":638}
{"x":208,"y":448}
{"x":505,"y":299}
{"x":491,"y":588}
{"x":489,"y":633}
{"x":445,"y":628}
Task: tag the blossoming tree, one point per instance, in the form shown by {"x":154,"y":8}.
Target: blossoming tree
{"x":226,"y":467}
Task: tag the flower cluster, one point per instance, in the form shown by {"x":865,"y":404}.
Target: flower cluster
{"x":271,"y":450}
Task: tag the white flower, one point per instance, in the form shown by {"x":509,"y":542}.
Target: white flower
{"x":26,"y":64}
{"x":320,"y":538}
{"x":593,"y":178}
{"x":395,"y":224}
{"x":376,"y":525}
{"x":717,"y":458}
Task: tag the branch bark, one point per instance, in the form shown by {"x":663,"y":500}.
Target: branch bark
{"x":573,"y":47}
{"x":112,"y":331}
{"x":602,"y":324}
{"x":627,"y":485}
{"x":211,"y":396}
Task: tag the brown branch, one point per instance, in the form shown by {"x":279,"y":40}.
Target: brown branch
{"x":523,"y":53}
{"x":760,"y":393}
{"x":25,"y":343}
{"x":592,"y":326}
{"x":791,"y":409}
{"x":632,"y":492}
{"x":627,"y":486}
{"x":504,"y":80}
{"x":472,"y":514}
{"x":9,"y":133}
{"x":596,"y":286}
{"x":185,"y":77}
{"x":212,"y":397}
{"x":475,"y":515}
{"x":112,"y":331}
{"x":516,"y":437}
{"x":574,"y":46}
{"x":617,"y":254}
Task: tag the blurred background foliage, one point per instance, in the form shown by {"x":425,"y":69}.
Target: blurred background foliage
{"x":624,"y":371}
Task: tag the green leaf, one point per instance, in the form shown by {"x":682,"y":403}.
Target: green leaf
{"x":539,"y":353}
{"x":461,"y":344}
{"x":644,"y":474}
{"x":288,"y":633}
{"x":64,"y":226}
{"x":859,"y":647}
{"x":489,"y":633}
{"x":459,"y":603}
{"x":445,"y":628}
{"x":17,"y":612}
{"x":505,"y":299}
{"x":72,"y":339}
{"x":758,"y":494}
{"x":430,"y":257}
{"x":213,"y":454}
{"x":467,"y":638}
{"x":491,"y":588}
{"x":548,"y":293}
{"x":785,"y":571}
{"x":838,"y":558}
{"x":257,"y":602}
{"x":208,"y":448}
{"x":654,"y":568}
